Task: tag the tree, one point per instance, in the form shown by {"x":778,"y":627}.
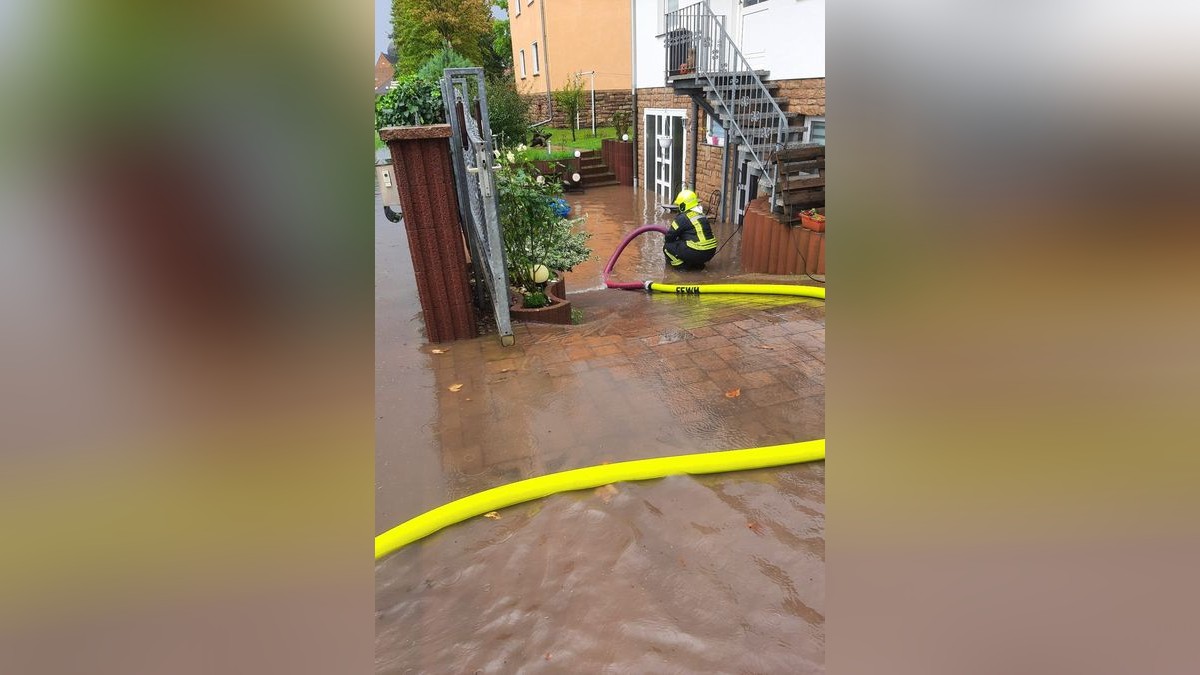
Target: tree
{"x":570,"y":100}
{"x":446,"y":58}
{"x":496,"y":49}
{"x":422,"y":27}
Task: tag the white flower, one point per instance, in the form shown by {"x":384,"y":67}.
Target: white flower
{"x":521,"y":147}
{"x":541,"y":180}
{"x":511,"y":157}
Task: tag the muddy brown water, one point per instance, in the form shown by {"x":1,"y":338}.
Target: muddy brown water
{"x":720,"y":573}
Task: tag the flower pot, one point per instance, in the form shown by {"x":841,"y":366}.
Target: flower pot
{"x":810,"y":223}
{"x":558,"y":311}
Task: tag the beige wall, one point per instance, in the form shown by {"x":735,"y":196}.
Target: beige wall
{"x":581,"y":35}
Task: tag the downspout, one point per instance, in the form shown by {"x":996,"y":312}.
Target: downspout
{"x":546,"y":65}
{"x":695,"y":143}
{"x":633,"y":85}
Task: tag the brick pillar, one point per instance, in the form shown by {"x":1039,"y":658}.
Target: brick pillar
{"x":429,"y":205}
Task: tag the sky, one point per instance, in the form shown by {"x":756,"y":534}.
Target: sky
{"x":383,"y":24}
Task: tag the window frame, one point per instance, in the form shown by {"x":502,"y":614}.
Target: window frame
{"x":523,"y":71}
{"x":709,"y":121}
{"x":517,"y":5}
{"x":537,"y":61}
{"x":808,"y":120}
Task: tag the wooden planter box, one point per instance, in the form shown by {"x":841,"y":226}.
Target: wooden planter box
{"x":558,"y":311}
{"x":547,"y":167}
{"x":772,"y":247}
{"x":618,"y":157}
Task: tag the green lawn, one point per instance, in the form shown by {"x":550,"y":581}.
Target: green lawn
{"x":561,"y":145}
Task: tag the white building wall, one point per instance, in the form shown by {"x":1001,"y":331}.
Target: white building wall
{"x":786,"y":37}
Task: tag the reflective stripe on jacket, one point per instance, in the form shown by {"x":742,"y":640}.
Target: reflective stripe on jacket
{"x":694,"y":229}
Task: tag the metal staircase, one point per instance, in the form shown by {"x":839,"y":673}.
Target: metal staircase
{"x":703,"y":62}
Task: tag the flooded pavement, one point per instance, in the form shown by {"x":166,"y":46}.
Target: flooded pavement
{"x":614,"y":211}
{"x":718,"y":573}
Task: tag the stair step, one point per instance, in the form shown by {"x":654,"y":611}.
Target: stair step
{"x":763,"y":118}
{"x":601,"y":183}
{"x":594,"y":170}
{"x":587,"y":162}
{"x":771,"y":87}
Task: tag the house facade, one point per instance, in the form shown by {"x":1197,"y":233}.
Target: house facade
{"x":385,"y":71}
{"x":722,"y":88}
{"x":553,"y":40}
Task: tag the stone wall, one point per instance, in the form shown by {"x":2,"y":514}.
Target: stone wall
{"x":803,"y":96}
{"x":708,"y":157}
{"x":806,"y":96}
{"x":607,"y":102}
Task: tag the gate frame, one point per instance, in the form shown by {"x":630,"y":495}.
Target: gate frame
{"x":468,"y":142}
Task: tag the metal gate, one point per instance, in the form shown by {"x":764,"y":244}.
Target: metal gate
{"x":465,"y":99}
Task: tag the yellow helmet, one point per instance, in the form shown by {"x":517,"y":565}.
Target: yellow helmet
{"x":687,"y":200}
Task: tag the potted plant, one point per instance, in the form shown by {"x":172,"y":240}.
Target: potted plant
{"x":540,"y":239}
{"x":813,"y":220}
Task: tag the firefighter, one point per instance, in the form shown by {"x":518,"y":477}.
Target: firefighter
{"x":689,"y":241}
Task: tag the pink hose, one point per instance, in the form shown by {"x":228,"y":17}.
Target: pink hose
{"x":630,"y":285}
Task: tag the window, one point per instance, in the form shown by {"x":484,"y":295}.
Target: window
{"x":715,"y":134}
{"x":522,"y":64}
{"x":517,"y":5}
{"x":536,"y":64}
{"x":665,"y":7}
{"x":814,"y":130}
{"x":748,"y":3}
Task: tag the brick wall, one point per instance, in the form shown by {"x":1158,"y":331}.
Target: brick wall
{"x":607,"y":102}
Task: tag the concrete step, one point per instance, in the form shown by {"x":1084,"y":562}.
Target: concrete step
{"x":600,"y":183}
{"x":590,"y":178}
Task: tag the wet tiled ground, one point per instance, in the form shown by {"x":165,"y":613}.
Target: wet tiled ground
{"x":644,"y":375}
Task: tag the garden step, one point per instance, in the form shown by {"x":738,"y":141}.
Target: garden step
{"x":601,"y":183}
{"x":592,"y":179}
{"x":593,"y":170}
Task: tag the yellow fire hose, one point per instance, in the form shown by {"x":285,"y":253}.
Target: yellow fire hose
{"x":642,"y":469}
{"x":753,"y":289}
{"x":593,"y":476}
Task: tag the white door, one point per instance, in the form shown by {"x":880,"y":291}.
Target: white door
{"x":753,"y":30}
{"x":665,"y":151}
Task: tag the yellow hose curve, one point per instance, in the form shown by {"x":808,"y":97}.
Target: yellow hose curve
{"x":593,"y":476}
{"x":755,"y":289}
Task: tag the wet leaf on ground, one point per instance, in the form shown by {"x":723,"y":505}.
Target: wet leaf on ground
{"x":455,"y":387}
{"x":492,"y":514}
{"x":733,"y":393}
{"x":606,"y":492}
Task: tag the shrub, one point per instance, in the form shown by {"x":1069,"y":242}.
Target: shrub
{"x":534,"y":233}
{"x":508,"y":112}
{"x":570,"y":100}
{"x":620,"y":121}
{"x":411,"y":102}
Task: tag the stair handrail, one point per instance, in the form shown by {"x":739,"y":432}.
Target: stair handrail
{"x":697,"y":31}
